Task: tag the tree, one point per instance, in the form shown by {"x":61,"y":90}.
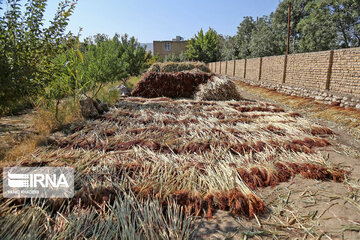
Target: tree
{"x":68,"y":79}
{"x":330,"y":24}
{"x":153,"y":59}
{"x":110,"y":59}
{"x":227,"y":47}
{"x":103,"y":63}
{"x":243,"y":37}
{"x":346,"y":18}
{"x":317,"y":30}
{"x":176,"y":58}
{"x":204,"y":47}
{"x":27,"y":49}
{"x":132,"y":54}
{"x":280,"y":23}
{"x":263,"y":39}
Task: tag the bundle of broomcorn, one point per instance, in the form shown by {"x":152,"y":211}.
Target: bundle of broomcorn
{"x":178,"y":67}
{"x":218,"y":89}
{"x":173,"y":85}
{"x":144,"y":164}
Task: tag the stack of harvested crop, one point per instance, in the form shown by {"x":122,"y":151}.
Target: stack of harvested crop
{"x":218,"y":89}
{"x":154,"y":68}
{"x":173,"y":85}
{"x":178,"y":67}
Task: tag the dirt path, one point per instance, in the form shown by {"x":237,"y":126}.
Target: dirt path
{"x":301,"y":208}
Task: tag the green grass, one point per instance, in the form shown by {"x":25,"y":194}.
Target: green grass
{"x":110,"y":97}
{"x":131,"y":83}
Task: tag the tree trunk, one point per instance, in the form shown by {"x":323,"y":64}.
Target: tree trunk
{"x":57,"y":110}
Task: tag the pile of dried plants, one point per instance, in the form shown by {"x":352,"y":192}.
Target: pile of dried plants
{"x":146,"y":167}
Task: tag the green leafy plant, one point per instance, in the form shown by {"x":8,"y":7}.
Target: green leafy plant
{"x":112,"y":60}
{"x":153,"y":59}
{"x":27,"y":49}
{"x":68,"y":78}
{"x":176,"y":58}
{"x":204,"y":47}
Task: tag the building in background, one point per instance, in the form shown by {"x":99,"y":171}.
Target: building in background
{"x":175,"y":46}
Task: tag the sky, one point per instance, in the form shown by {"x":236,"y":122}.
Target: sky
{"x":150,"y":20}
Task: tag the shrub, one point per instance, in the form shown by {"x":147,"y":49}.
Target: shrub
{"x":176,"y":57}
{"x":27,"y":49}
{"x":131,"y":83}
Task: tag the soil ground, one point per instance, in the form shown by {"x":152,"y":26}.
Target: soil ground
{"x":14,"y":129}
{"x":299,"y":209}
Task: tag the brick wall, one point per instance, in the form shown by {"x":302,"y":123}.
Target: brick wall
{"x":239,"y":68}
{"x":273,"y":69}
{"x":176,"y":47}
{"x":333,"y":71}
{"x":253,"y":69}
{"x":223,"y":67}
{"x":230,"y":68}
{"x":345,"y":72}
{"x":328,"y":76}
{"x":217,"y":67}
{"x":308,"y":69}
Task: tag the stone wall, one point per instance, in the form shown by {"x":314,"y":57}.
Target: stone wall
{"x":332,"y":77}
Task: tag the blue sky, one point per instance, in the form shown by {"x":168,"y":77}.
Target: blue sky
{"x":150,"y":20}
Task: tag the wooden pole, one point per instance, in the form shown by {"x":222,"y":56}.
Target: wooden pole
{"x":288,"y":36}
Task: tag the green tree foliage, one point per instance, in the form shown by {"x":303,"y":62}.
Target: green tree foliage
{"x":227,"y":47}
{"x":257,"y":38}
{"x":176,"y":57}
{"x":153,"y":59}
{"x":103,"y":62}
{"x":263,"y":40}
{"x":280,"y":23}
{"x":243,"y":37}
{"x":109,"y":60}
{"x":85,"y":68}
{"x":330,"y":24}
{"x":315,"y":25}
{"x":204,"y":47}
{"x":132,"y":54}
{"x":317,"y":31}
{"x":27,"y":48}
{"x":346,"y":16}
{"x":68,"y":77}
